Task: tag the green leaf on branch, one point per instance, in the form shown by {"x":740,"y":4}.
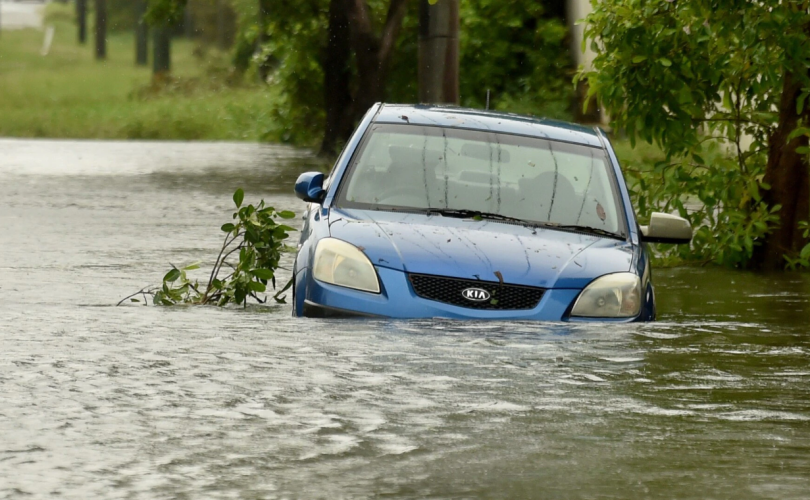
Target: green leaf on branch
{"x":227,"y":228}
{"x":238,"y":197}
{"x":264,"y":274}
{"x":171,"y":276}
{"x":286,"y":214}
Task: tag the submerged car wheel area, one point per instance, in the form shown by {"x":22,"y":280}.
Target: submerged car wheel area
{"x":469,"y":214}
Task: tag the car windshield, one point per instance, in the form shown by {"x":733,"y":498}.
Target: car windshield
{"x":453,"y":170}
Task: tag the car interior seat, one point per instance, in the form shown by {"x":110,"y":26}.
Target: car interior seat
{"x":413,"y":170}
{"x":550,"y":197}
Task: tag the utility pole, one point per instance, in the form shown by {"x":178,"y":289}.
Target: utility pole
{"x":81,"y":19}
{"x":101,"y":29}
{"x":141,"y":34}
{"x":438,"y":51}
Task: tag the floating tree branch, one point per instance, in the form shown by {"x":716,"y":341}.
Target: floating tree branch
{"x":256,"y":238}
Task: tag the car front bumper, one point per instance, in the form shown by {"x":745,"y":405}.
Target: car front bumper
{"x":398,"y":300}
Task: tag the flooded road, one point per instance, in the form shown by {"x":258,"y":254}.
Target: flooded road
{"x":98,"y":401}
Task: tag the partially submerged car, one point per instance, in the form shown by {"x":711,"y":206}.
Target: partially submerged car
{"x":460,"y":213}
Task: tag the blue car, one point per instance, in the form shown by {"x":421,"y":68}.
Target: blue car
{"x":435,"y":211}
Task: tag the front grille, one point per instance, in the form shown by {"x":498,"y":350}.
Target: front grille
{"x":449,"y":291}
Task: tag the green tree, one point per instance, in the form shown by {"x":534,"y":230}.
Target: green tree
{"x":721,"y":87}
{"x":517,"y":49}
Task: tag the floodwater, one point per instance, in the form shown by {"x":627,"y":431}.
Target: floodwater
{"x":104,"y":402}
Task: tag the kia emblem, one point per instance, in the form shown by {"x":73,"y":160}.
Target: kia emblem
{"x":476,"y":294}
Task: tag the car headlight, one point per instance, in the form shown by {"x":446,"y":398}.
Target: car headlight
{"x":611,"y":296}
{"x":343,"y":264}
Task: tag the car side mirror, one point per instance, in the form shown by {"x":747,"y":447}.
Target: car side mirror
{"x":666,"y":228}
{"x":309,"y":187}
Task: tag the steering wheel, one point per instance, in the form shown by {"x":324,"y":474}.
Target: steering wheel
{"x":403,"y":195}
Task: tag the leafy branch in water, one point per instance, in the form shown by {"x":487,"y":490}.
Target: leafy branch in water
{"x":246,"y":264}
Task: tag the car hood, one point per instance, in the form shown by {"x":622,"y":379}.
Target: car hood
{"x":464,"y":248}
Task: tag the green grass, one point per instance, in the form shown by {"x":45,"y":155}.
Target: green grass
{"x":68,"y":94}
{"x":642,"y":157}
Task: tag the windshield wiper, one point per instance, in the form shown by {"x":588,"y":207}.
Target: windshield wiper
{"x":474,"y":214}
{"x":584,"y":229}
{"x":479,"y":215}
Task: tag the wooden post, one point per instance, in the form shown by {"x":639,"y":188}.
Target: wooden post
{"x":81,"y":19}
{"x":141,"y":34}
{"x":101,"y":29}
{"x":439,"y":52}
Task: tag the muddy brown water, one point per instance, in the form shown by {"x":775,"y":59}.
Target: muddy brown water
{"x":98,"y":401}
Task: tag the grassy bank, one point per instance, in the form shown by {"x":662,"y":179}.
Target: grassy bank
{"x":68,"y":94}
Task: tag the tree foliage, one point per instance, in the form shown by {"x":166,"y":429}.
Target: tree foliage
{"x":165,"y":12}
{"x":703,"y":79}
{"x":512,"y":48}
{"x":520,"y":53}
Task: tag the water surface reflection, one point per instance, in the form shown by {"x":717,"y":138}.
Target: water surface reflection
{"x":146,"y":402}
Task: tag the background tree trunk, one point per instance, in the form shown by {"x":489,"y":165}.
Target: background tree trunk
{"x":438,"y":52}
{"x":337,"y":79}
{"x":101,"y":29}
{"x":221,"y":29}
{"x":262,"y":38}
{"x":372,"y":53}
{"x":141,"y":35}
{"x":162,"y":62}
{"x":81,"y":20}
{"x":789,"y":177}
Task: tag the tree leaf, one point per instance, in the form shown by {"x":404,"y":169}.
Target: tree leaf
{"x":238,"y":197}
{"x":227,"y":228}
{"x":171,"y":276}
{"x":638,"y":59}
{"x":286,"y":214}
{"x":264,"y":274}
{"x":665,"y":62}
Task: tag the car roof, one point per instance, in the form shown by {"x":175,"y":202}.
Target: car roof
{"x":476,"y":119}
